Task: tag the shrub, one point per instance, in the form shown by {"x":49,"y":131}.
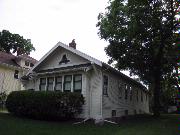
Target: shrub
{"x":3,"y":97}
{"x":46,"y":105}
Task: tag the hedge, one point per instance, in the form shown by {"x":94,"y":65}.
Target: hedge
{"x":45,"y":105}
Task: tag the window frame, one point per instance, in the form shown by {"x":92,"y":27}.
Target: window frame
{"x":113,"y":113}
{"x":31,"y":65}
{"x":130,"y":93}
{"x":58,"y":83}
{"x":137,"y":96}
{"x":126,"y":92}
{"x":16,"y":74}
{"x":74,"y":82}
{"x":40,"y":83}
{"x":65,"y":82}
{"x":105,"y":86}
{"x":48,"y":83}
{"x":27,"y":64}
{"x":141,"y":96}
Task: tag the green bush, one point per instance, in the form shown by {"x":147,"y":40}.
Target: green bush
{"x":46,"y":105}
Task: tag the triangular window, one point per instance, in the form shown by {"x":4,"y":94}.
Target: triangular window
{"x":64,"y":59}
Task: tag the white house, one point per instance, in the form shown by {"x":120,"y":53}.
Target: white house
{"x":108,"y":93}
{"x":12,"y":68}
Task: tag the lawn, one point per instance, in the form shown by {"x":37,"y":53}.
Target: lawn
{"x":165,"y":125}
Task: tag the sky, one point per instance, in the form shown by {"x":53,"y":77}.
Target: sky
{"x":46,"y":22}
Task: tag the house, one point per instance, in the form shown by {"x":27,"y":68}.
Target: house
{"x":107,"y":92}
{"x":12,"y":68}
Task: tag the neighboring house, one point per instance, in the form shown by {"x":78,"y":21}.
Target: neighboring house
{"x":107,"y":92}
{"x":12,"y":68}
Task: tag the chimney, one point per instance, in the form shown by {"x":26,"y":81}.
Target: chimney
{"x":72,"y":44}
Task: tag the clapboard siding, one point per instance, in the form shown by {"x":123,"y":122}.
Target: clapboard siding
{"x":115,"y":100}
{"x":96,"y":94}
{"x":8,"y":82}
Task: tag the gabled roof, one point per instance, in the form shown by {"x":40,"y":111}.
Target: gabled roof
{"x":8,"y":58}
{"x":59,"y":44}
{"x":91,"y":59}
{"x":27,"y":57}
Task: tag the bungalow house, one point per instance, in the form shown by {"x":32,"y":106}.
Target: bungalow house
{"x":12,"y":68}
{"x":107,"y":92}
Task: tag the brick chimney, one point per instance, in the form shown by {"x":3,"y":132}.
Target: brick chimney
{"x":72,"y":44}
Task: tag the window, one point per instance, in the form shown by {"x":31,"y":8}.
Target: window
{"x":126,"y":92}
{"x":105,"y":85}
{"x":146,"y":97}
{"x":130,"y":93}
{"x":135,"y":112}
{"x":137,"y":96}
{"x":141,"y":96}
{"x":64,"y":59}
{"x":31,"y":64}
{"x":50,"y":81}
{"x":16,"y":72}
{"x":120,"y":90}
{"x":26,"y":63}
{"x":58,"y":83}
{"x":42,"y":85}
{"x":67,"y":83}
{"x":77,"y":83}
{"x":113,"y":113}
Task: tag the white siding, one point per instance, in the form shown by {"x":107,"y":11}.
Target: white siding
{"x":96,"y":94}
{"x":7,"y":81}
{"x":115,"y":100}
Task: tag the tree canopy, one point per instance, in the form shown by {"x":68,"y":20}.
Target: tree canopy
{"x":142,"y":38}
{"x":15,"y":43}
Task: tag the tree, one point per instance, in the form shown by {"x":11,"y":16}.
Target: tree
{"x":15,"y":43}
{"x":142,"y":38}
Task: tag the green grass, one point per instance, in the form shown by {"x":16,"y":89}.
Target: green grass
{"x":165,"y":125}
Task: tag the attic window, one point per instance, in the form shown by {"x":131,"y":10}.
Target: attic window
{"x":31,"y":64}
{"x":64,"y":59}
{"x":26,"y":63}
{"x":16,"y":74}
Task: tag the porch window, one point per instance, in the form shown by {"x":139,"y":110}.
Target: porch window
{"x":58,"y":83}
{"x":50,"y":83}
{"x":42,"y":85}
{"x":105,"y":85}
{"x":67,"y":83}
{"x":77,"y":81}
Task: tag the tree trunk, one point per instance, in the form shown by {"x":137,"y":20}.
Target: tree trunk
{"x":156,"y":94}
